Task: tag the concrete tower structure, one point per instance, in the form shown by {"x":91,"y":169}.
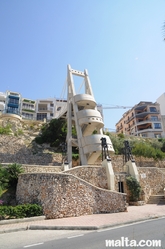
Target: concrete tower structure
{"x":82,"y":112}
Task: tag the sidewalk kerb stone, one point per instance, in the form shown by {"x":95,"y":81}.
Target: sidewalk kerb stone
{"x":10,"y":230}
{"x":38,"y":227}
{"x":14,"y":221}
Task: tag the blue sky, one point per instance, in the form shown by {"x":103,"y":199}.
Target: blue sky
{"x":119,"y":42}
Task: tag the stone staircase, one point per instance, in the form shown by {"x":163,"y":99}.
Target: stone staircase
{"x":158,"y":199}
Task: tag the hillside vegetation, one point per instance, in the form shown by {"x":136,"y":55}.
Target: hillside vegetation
{"x":141,"y":147}
{"x":55,"y":133}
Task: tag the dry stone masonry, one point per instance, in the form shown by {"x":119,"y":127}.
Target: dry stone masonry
{"x":78,"y":191}
{"x":64,"y":195}
{"x":15,"y":149}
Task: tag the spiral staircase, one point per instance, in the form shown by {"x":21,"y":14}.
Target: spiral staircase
{"x":81,"y":111}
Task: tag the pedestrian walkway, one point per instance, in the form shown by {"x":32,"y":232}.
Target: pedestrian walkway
{"x":88,"y":222}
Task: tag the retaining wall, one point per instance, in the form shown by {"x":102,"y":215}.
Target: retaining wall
{"x":65,"y":195}
{"x":152,"y":181}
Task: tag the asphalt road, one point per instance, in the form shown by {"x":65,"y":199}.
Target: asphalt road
{"x":134,"y":233}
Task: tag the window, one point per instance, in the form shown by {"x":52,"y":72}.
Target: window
{"x":12,"y":110}
{"x":157,"y":125}
{"x":13,"y":101}
{"x":27,"y":115}
{"x":51,"y":105}
{"x":28,"y":106}
{"x":41,"y":116}
{"x":153,"y":109}
{"x":59,"y":108}
{"x":154,"y":118}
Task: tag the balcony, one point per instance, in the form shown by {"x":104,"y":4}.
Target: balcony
{"x":148,"y":121}
{"x":145,"y":113}
{"x":150,"y":130}
{"x":28,"y":110}
{"x":129,"y":119}
{"x":25,"y":107}
{"x":45,"y":109}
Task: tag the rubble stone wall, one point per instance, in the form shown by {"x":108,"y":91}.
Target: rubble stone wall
{"x":18,"y":150}
{"x":41,"y":168}
{"x":96,"y":175}
{"x":38,"y":168}
{"x":65,"y":195}
{"x":152,"y":181}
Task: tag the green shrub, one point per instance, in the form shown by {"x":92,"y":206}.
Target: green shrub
{"x":9,"y":175}
{"x":20,"y":211}
{"x":5,"y":130}
{"x":13,"y":171}
{"x":20,"y":132}
{"x":118,"y":143}
{"x":75,"y":156}
{"x":147,"y":149}
{"x":134,"y":188}
{"x":3,"y":178}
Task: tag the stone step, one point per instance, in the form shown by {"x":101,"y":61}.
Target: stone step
{"x":156,"y":199}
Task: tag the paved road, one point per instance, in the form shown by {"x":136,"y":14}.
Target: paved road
{"x":144,"y":230}
{"x":21,"y":239}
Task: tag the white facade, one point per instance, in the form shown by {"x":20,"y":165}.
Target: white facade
{"x":2,"y":101}
{"x":28,"y":109}
{"x":45,"y":109}
{"x":161,"y":101}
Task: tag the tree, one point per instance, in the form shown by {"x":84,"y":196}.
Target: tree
{"x":54,"y":133}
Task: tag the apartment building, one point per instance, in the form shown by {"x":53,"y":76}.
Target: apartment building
{"x":13,"y":103}
{"x":2,"y":101}
{"x":161,"y":102}
{"x":45,"y":109}
{"x":41,"y":109}
{"x":28,"y":109}
{"x":144,"y":119}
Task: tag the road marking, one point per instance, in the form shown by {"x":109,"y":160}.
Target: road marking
{"x":33,"y":245}
{"x":75,"y":236}
{"x":130,"y":224}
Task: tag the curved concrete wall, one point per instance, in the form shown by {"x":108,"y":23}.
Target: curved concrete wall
{"x":93,"y":143}
{"x":90,"y":116}
{"x":85,"y":100}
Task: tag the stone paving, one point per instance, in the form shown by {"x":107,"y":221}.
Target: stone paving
{"x":88,"y":222}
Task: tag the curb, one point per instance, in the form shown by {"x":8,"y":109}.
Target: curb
{"x":10,"y":230}
{"x":14,"y":221}
{"x":131,"y":222}
{"x":38,"y":227}
{"x":42,"y":227}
